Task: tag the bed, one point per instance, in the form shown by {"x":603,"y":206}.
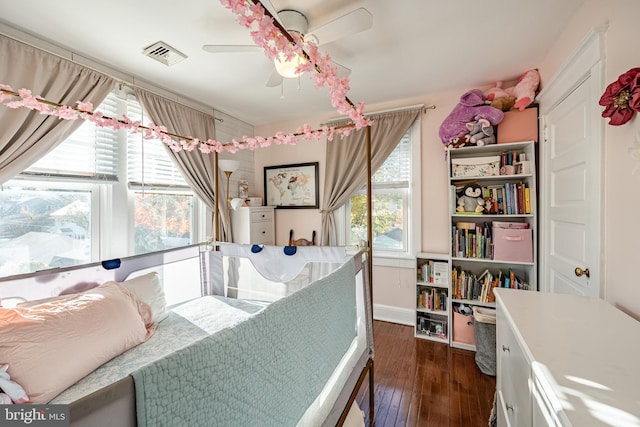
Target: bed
{"x":248,"y":336}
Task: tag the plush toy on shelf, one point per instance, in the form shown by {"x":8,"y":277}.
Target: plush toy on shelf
{"x":480,"y":133}
{"x":523,"y":93}
{"x":471,"y":199}
{"x":472,"y":106}
{"x":505,"y":103}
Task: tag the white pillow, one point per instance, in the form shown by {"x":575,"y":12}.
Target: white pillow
{"x":148,"y":289}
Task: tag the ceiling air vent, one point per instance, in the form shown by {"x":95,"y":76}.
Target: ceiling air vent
{"x":162,"y":52}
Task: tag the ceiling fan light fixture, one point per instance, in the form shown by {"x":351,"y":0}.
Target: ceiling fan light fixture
{"x":287,"y":68}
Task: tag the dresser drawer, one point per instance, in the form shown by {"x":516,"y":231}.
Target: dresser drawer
{"x":253,"y":225}
{"x":262,"y":232}
{"x":261,"y":215}
{"x":513,"y":375}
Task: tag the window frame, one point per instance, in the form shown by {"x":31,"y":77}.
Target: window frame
{"x":51,"y":184}
{"x":112,"y":199}
{"x":413,"y":197}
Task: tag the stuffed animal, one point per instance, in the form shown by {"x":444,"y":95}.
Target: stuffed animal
{"x":472,"y":106}
{"x":504,"y":104}
{"x":480,"y":133}
{"x":12,"y":389}
{"x":471,"y":199}
{"x":524,"y":91}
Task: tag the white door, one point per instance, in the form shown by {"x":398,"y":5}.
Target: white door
{"x":571,"y":187}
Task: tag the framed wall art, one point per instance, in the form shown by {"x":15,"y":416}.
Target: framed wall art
{"x":292,"y":186}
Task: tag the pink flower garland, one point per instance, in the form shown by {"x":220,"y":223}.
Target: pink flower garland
{"x":266,"y":35}
{"x":175,"y":142}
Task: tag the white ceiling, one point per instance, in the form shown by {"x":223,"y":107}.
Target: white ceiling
{"x":415,"y":47}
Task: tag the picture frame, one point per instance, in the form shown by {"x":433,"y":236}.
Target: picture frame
{"x":294,"y":186}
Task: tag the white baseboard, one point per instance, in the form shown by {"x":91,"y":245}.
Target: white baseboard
{"x":387,"y":313}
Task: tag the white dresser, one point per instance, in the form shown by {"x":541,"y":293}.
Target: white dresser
{"x":253,"y":225}
{"x":565,"y":360}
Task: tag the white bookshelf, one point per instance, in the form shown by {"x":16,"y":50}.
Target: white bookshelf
{"x":432,"y":297}
{"x":476,"y":261}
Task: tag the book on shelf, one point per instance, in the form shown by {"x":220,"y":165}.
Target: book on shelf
{"x":469,"y":286}
{"x":505,"y":199}
{"x":520,"y":198}
{"x":440,"y":272}
{"x":433,"y":272}
{"x":434,"y":299}
{"x":470,"y":240}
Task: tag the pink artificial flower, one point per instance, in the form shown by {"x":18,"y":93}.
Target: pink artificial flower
{"x":66,"y":113}
{"x":85,"y":106}
{"x":230,"y":148}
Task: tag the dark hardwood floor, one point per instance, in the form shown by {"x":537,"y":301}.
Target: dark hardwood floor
{"x":424,"y":383}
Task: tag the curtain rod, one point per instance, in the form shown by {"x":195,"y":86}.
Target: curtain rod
{"x":390,"y":110}
{"x":409,"y":107}
{"x":133,"y":85}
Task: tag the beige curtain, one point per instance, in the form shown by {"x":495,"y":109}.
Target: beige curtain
{"x":196,"y":168}
{"x":342,"y":179}
{"x":27,"y":135}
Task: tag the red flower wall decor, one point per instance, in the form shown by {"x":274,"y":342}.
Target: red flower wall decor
{"x":621,"y":99}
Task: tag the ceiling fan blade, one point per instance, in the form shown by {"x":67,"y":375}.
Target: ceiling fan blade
{"x":229,"y":48}
{"x":353,"y":22}
{"x":275,"y":79}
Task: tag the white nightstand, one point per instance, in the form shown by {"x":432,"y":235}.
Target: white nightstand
{"x":253,"y":225}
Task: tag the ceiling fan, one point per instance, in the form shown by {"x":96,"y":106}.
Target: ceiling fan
{"x":353,"y":22}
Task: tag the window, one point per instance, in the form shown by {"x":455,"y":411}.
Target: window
{"x":44,"y":226}
{"x":163,"y":203}
{"x":90,"y":199}
{"x":395,"y":222}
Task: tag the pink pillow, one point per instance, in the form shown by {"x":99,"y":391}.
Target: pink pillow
{"x":51,"y":346}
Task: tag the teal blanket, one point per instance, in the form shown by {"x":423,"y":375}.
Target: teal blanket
{"x":263,"y":371}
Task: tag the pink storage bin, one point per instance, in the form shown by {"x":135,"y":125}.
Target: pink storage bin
{"x":518,"y":126}
{"x":512,"y":244}
{"x":463,"y":329}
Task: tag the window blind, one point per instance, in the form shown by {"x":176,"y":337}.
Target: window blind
{"x":396,"y":170}
{"x":91,"y":152}
{"x":148,"y":162}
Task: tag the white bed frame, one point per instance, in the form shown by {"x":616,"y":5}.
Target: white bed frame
{"x":115,"y":404}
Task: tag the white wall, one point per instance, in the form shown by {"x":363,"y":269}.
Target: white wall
{"x":394,"y":287}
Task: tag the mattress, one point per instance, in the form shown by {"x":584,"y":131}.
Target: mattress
{"x":185,"y":324}
{"x":110,"y":390}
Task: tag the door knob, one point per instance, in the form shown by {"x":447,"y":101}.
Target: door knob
{"x":579,"y":272}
